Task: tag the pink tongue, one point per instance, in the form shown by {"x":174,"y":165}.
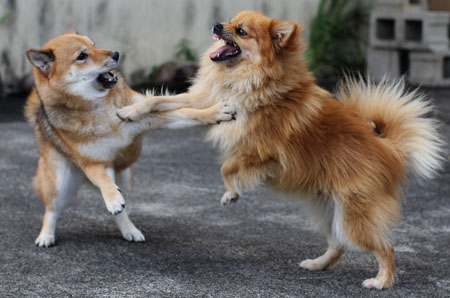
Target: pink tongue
{"x":221,"y":51}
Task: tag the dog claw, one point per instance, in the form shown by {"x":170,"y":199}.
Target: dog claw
{"x":118,"y":211}
{"x":45,"y":241}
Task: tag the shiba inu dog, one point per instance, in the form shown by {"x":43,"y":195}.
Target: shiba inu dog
{"x":346,"y":158}
{"x":78,"y":134}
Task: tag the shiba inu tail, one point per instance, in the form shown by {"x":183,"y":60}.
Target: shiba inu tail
{"x":32,"y":107}
{"x":401,"y":116}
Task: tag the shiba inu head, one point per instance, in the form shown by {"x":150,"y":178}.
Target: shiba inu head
{"x":252,"y":37}
{"x":72,"y":64}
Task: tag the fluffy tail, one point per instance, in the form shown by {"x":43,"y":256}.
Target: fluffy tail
{"x":402,"y":116}
{"x":32,"y":107}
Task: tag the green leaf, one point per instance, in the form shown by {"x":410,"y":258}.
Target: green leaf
{"x":5,"y":17}
{"x":334,"y":43}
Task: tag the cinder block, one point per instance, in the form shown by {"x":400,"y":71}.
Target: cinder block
{"x":402,"y":5}
{"x":419,"y":30}
{"x":430,"y":69}
{"x":382,"y":62}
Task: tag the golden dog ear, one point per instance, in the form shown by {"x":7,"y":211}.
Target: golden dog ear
{"x":42,"y":59}
{"x":282,"y":32}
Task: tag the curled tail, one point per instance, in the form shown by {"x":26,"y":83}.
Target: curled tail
{"x":32,"y":107}
{"x":401,"y":116}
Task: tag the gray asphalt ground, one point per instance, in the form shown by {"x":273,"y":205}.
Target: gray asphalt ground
{"x":195,"y":247}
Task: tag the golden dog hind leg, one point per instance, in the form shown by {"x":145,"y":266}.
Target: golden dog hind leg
{"x":326,"y":261}
{"x":126,"y":226}
{"x":57,"y":180}
{"x":365,"y":222}
{"x":326,"y":218}
{"x":386,"y":271}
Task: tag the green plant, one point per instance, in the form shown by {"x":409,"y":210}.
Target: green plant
{"x":185,"y":52}
{"x":335,"y":45}
{"x":5,"y":16}
{"x":154,"y":70}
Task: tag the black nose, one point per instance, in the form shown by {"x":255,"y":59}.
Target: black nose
{"x":115,"y":56}
{"x":218,"y":27}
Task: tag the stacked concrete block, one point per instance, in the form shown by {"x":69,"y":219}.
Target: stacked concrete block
{"x":389,"y":5}
{"x":403,"y":35}
{"x":382,"y":62}
{"x":430,"y":68}
{"x":418,"y":30}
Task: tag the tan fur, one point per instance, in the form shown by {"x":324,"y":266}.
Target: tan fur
{"x":346,"y":158}
{"x":79,"y":134}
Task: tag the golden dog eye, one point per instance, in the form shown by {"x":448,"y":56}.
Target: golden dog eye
{"x":82,"y":56}
{"x":241,"y":32}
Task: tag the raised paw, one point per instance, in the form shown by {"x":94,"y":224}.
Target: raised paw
{"x":377,"y":283}
{"x":133,"y":234}
{"x":132,"y":113}
{"x":45,"y":240}
{"x":116,"y":205}
{"x":229,"y":198}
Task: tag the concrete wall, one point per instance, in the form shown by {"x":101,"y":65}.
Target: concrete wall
{"x":144,"y":31}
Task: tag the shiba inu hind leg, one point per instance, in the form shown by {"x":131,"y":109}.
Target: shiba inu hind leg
{"x":126,"y":226}
{"x":57,"y":180}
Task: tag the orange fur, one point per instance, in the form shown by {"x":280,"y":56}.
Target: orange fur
{"x":346,"y":158}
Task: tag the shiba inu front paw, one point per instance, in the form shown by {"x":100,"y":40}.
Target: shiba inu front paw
{"x":133,"y":113}
{"x":115,"y":206}
{"x":133,"y":235}
{"x":229,"y":198}
{"x":45,"y":240}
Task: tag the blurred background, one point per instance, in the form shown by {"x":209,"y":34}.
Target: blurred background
{"x":194,"y":247}
{"x":160,"y":41}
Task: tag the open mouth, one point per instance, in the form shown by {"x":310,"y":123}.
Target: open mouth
{"x":107,"y":79}
{"x":225,"y":52}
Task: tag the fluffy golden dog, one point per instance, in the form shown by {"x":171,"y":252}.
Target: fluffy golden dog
{"x":346,"y":158}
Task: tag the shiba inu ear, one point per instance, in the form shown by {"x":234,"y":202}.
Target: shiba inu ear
{"x":43,"y":60}
{"x":282,"y":32}
{"x":72,"y":31}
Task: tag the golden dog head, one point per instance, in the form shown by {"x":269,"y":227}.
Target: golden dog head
{"x":251,"y":37}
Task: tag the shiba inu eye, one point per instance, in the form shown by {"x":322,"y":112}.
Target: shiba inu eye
{"x":241,"y":32}
{"x":83,"y":56}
